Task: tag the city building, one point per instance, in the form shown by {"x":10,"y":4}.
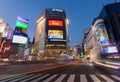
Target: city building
{"x":4,"y":44}
{"x":85,"y":34}
{"x":51,"y":36}
{"x":111,"y":15}
{"x":103,"y":40}
{"x":82,"y":51}
{"x":76,"y":51}
{"x":20,"y":38}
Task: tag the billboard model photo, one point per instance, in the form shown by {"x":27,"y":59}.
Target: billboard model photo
{"x":55,"y":34}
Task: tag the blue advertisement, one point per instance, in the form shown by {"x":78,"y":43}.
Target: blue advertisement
{"x":103,"y":36}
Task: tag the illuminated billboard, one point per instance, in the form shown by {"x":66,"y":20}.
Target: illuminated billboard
{"x":22,"y":22}
{"x":55,"y":23}
{"x":19,"y":39}
{"x":110,"y":49}
{"x":56,"y":34}
{"x":10,"y":34}
{"x":23,"y":19}
{"x":21,"y":25}
{"x":102,"y":34}
{"x":17,"y":32}
{"x":2,"y":27}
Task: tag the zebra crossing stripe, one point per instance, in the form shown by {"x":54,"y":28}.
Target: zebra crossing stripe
{"x":30,"y":78}
{"x":107,"y":78}
{"x":71,"y":78}
{"x":21,"y":78}
{"x":94,"y":78}
{"x":37,"y":80}
{"x":83,"y":78}
{"x":12,"y":78}
{"x":61,"y":78}
{"x":116,"y":77}
{"x":50,"y":78}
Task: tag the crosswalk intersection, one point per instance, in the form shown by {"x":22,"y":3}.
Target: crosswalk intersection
{"x":36,"y":77}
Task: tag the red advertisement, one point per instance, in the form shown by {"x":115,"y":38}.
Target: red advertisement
{"x":6,"y":49}
{"x":55,"y":23}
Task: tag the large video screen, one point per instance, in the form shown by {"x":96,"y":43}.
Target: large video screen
{"x":111,"y":49}
{"x":19,"y":39}
{"x":55,"y":23}
{"x":55,"y":34}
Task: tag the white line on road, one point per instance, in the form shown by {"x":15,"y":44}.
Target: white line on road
{"x":94,"y":78}
{"x":61,"y":78}
{"x":22,"y":78}
{"x":116,"y":77}
{"x":107,"y":78}
{"x":37,"y":80}
{"x":71,"y":78}
{"x":12,"y":78}
{"x":50,"y":78}
{"x":83,"y":78}
{"x":6,"y":76}
{"x":31,"y":78}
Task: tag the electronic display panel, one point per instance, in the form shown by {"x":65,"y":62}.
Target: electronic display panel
{"x":19,"y":39}
{"x":110,"y":49}
{"x":55,"y":34}
{"x":10,"y":34}
{"x":22,"y":22}
{"x":58,"y":23}
{"x":2,"y":27}
{"x":103,"y":36}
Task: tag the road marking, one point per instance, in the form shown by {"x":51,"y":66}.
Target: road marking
{"x":37,"y":80}
{"x":31,"y":78}
{"x":22,"y":78}
{"x":39,"y":70}
{"x":8,"y":79}
{"x":116,"y":77}
{"x":83,"y":78}
{"x":94,"y":78}
{"x":61,"y":78}
{"x":107,"y":78}
{"x":50,"y":78}
{"x":5,"y":76}
{"x":71,"y":78}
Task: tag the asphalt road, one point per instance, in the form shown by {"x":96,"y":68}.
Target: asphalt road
{"x":77,"y":72}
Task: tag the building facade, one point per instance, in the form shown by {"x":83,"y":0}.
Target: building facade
{"x":52,"y":32}
{"x":111,"y":14}
{"x":4,"y":44}
{"x":103,"y":40}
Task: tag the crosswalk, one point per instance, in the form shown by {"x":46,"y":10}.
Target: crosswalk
{"x":62,"y":78}
{"x":5,"y":75}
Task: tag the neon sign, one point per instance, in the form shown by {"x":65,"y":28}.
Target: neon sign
{"x":22,"y":22}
